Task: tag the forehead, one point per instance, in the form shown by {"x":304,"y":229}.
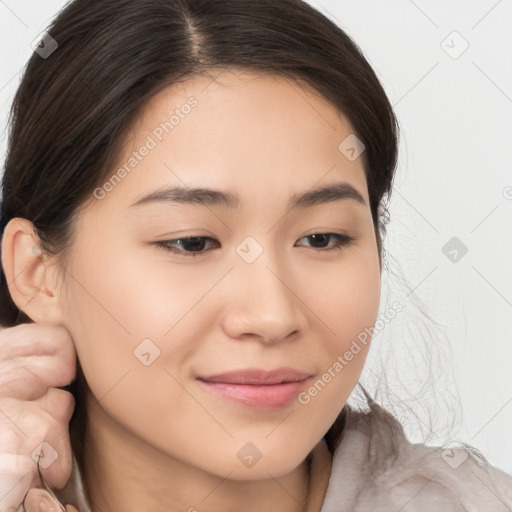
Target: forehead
{"x":246,"y":131}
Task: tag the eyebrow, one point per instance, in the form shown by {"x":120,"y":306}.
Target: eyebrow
{"x":212,"y":197}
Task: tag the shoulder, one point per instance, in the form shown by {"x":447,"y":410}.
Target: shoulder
{"x":394,"y":474}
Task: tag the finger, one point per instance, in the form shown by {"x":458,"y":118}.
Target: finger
{"x":17,"y":476}
{"x":35,"y":497}
{"x":40,"y":429}
{"x":70,"y":508}
{"x":59,"y":462}
{"x":55,"y":455}
{"x":23,"y":422}
{"x":58,"y":403}
{"x":28,"y":377}
{"x":34,"y":339}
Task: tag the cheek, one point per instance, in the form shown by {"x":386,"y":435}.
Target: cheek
{"x":347,"y":312}
{"x":343,"y":359}
{"x":120,"y":309}
{"x":118,"y":331}
{"x":148,"y":292}
{"x":126,"y":297}
{"x":108,"y":313}
{"x":346,"y":300}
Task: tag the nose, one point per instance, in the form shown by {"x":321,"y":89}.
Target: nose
{"x":262,"y":304}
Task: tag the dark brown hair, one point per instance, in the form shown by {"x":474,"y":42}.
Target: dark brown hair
{"x":74,"y":107}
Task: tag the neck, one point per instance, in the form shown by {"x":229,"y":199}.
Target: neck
{"x":123,"y":472}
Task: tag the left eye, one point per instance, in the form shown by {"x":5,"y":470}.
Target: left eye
{"x":195,"y":245}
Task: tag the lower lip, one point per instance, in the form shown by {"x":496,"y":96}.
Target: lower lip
{"x":269,"y":396}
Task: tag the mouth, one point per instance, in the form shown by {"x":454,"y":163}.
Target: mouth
{"x":258,"y":388}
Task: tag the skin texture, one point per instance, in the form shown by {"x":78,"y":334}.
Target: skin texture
{"x":265,"y":139}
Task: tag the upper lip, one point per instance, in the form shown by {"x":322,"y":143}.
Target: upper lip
{"x":257,"y":376}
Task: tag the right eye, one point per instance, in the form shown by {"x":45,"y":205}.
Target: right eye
{"x":191,"y":245}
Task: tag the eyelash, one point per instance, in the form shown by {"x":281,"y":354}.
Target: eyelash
{"x":342,"y":241}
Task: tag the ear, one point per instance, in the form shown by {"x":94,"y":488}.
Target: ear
{"x":30,"y":277}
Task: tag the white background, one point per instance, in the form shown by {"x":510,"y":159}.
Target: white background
{"x":456,"y":120}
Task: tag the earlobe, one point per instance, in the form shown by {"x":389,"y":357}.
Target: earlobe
{"x":28,"y":273}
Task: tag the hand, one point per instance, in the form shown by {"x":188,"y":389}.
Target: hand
{"x":35,"y":359}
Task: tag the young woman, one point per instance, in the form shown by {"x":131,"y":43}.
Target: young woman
{"x":193,"y":191}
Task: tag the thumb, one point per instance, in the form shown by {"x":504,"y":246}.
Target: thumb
{"x":70,"y":508}
{"x":39,"y":500}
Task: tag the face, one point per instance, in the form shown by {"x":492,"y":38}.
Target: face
{"x":149,"y":317}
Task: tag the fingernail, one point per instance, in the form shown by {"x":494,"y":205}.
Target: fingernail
{"x":45,"y":504}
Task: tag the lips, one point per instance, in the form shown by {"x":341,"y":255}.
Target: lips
{"x":257,"y":388}
{"x":258,"y":377}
